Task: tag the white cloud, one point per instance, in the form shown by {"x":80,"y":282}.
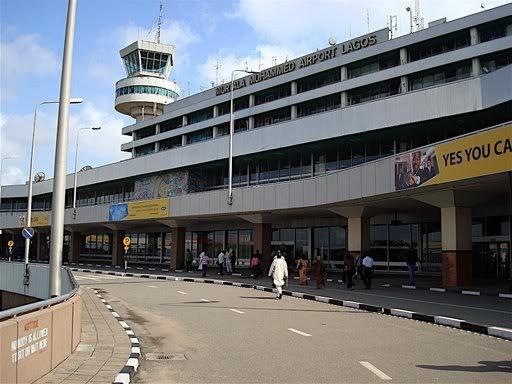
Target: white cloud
{"x":95,"y":149}
{"x":264,"y":55}
{"x":289,"y":21}
{"x":24,"y":57}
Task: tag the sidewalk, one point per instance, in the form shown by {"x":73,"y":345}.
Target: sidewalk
{"x":102,"y":352}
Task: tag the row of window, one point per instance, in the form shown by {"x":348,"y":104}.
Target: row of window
{"x":147,"y":89}
{"x":153,"y":61}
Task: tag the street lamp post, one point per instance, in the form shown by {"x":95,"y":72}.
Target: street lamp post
{"x":28,"y":221}
{"x":76,"y":157}
{"x":231,"y":132}
{"x":61,"y":148}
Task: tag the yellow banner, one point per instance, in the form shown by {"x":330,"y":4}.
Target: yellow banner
{"x":39,"y":219}
{"x":476,"y":155}
{"x":138,"y":210}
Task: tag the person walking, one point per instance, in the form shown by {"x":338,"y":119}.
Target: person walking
{"x":349,"y":269}
{"x":188,"y":260}
{"x":279,"y":272}
{"x":319,"y":272}
{"x":203,"y":262}
{"x":229,"y":255}
{"x":256,"y":264}
{"x":359,"y":266}
{"x":220,"y":261}
{"x":302,"y":267}
{"x":368,"y":272}
{"x":411,"y":264}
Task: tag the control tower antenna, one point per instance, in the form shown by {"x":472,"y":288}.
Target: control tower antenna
{"x":217,"y":67}
{"x":418,"y":20}
{"x":159,"y":23}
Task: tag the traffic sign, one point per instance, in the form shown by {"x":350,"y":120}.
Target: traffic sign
{"x":28,"y":232}
{"x":10,"y":243}
{"x":127,"y":241}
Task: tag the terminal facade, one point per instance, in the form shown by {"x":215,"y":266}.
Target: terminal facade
{"x":375,"y":145}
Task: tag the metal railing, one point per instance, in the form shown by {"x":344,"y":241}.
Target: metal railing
{"x":43,"y":303}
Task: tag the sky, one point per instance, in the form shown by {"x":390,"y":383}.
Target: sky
{"x":206,"y":33}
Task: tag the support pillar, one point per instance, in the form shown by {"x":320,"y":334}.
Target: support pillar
{"x":74,"y":247}
{"x":252,"y":100}
{"x":344,"y":99}
{"x":38,"y":246}
{"x":215,"y":132}
{"x":251,"y":122}
{"x":215,"y":111}
{"x":457,"y":246}
{"x":403,"y":56}
{"x":404,"y":84}
{"x":184,"y":120}
{"x":262,"y":238}
{"x":343,"y":73}
{"x":358,"y":234}
{"x":293,"y":88}
{"x":177,"y":248}
{"x":183,"y":140}
{"x":117,"y":247}
{"x":293,"y":112}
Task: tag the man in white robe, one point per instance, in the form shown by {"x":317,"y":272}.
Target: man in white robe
{"x":279,"y":270}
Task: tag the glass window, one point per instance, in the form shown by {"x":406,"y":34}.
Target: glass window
{"x":302,"y":243}
{"x":306,"y":165}
{"x":337,"y":243}
{"x":245,"y":245}
{"x":287,"y":234}
{"x":357,"y":154}
{"x":295,"y":165}
{"x":331,"y":160}
{"x":284,"y":168}
{"x":321,"y":243}
{"x":273,"y":172}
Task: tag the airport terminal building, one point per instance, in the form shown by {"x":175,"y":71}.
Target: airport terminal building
{"x":374,"y":145}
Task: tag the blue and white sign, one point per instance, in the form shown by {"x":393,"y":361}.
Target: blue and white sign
{"x":28,"y":232}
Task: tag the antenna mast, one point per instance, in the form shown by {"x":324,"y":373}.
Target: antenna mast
{"x":418,"y":20}
{"x":159,"y":23}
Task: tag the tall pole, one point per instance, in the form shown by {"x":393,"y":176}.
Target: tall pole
{"x":231,"y":133}
{"x":59,"y":181}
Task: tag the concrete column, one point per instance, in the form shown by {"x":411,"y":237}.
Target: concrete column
{"x":215,"y":111}
{"x":252,"y":100}
{"x":183,"y":140}
{"x":251,"y":122}
{"x":294,"y":112}
{"x":457,"y":246}
{"x":178,"y":248}
{"x":358,"y":234}
{"x":74,"y":247}
{"x":344,"y":99}
{"x":293,"y":88}
{"x":262,"y":238}
{"x":404,"y":84}
{"x":38,"y":246}
{"x":157,"y":129}
{"x":117,"y":247}
{"x":476,"y":67}
{"x":473,"y":34}
{"x":215,"y":131}
{"x":157,"y":146}
{"x":184,"y":120}
{"x":403,"y":56}
{"x":343,"y":73}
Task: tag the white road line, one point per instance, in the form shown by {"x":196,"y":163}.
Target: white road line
{"x":182,"y":293}
{"x":375,"y":370}
{"x":206,"y":301}
{"x":299,"y":332}
{"x":236,"y":311}
{"x":86,"y":278}
{"x":151,"y":286}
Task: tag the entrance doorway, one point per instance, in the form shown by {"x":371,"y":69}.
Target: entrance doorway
{"x":491,"y":260}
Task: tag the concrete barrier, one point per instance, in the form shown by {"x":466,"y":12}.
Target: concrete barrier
{"x":36,"y":338}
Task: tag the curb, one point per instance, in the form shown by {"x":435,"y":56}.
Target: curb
{"x":130,"y":367}
{"x":499,"y":332}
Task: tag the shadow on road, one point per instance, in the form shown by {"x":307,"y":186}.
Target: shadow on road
{"x":485,"y":366}
{"x":187,"y":304}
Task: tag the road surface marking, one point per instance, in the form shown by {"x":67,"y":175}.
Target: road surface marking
{"x":151,"y":286}
{"x":206,"y":301}
{"x":299,"y":332}
{"x":236,"y":311}
{"x":182,"y":293}
{"x":375,"y":370}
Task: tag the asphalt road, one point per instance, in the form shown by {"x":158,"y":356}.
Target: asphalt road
{"x":234,"y":335}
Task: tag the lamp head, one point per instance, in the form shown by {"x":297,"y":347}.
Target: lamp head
{"x":95,"y":128}
{"x":408,"y":9}
{"x":76,"y":100}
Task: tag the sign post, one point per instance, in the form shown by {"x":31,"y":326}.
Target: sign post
{"x":126,"y":242}
{"x":27,"y":233}
{"x":10,"y":244}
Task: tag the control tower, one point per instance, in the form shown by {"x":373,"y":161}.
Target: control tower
{"x":146,"y":88}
